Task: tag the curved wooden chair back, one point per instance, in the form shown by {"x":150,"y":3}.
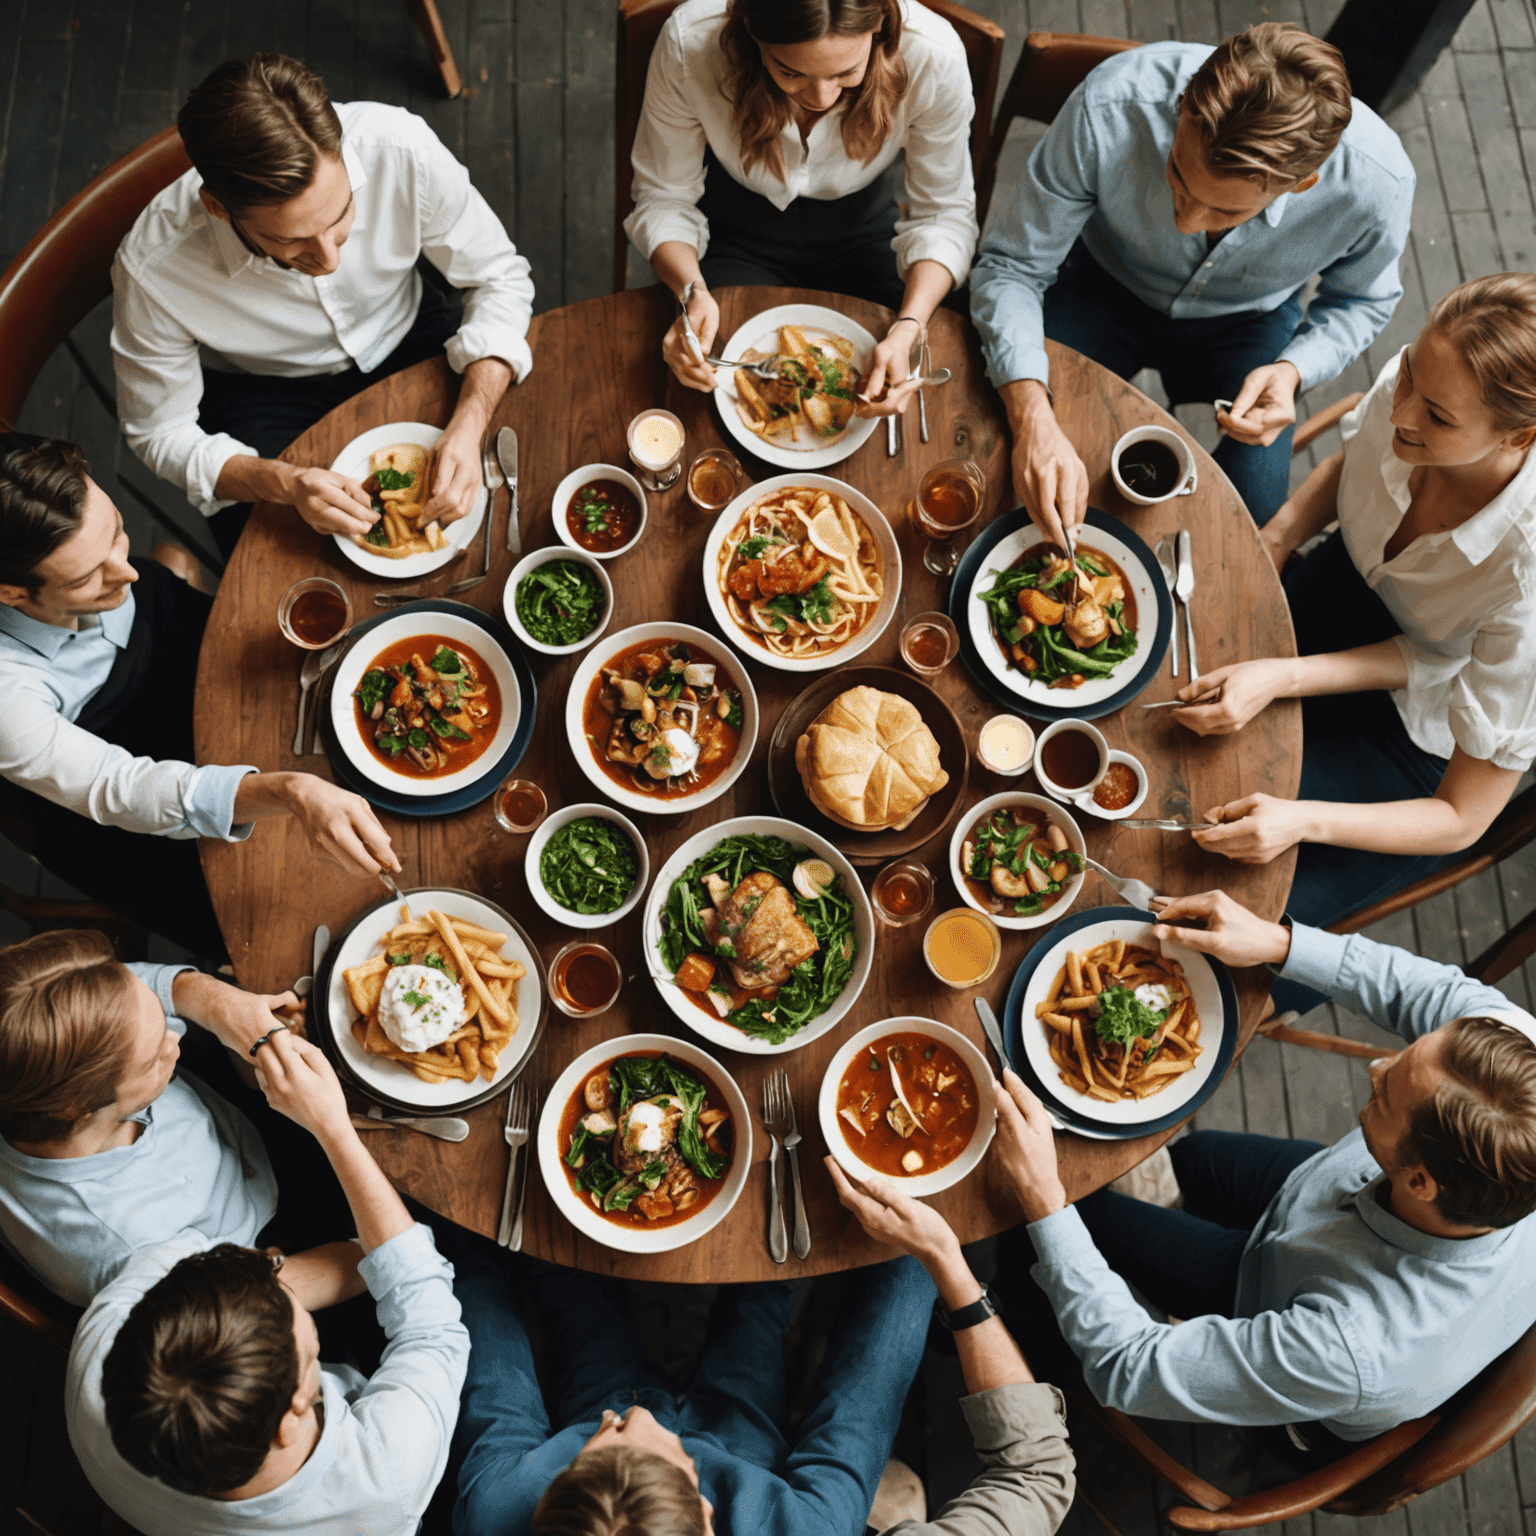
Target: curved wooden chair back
{"x":66,"y":268}
{"x":33,"y":1306}
{"x":640,"y":24}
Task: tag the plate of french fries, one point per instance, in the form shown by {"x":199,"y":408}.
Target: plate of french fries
{"x":395,"y":464}
{"x":808,"y":433}
{"x":481,"y":965}
{"x":1119,"y":1029}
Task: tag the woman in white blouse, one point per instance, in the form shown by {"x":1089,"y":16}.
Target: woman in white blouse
{"x":766,"y":153}
{"x":1416,"y":620}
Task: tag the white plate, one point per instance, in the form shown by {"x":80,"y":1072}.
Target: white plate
{"x":1144,"y":586}
{"x":890,"y":558}
{"x":600,"y":656}
{"x":916,"y":1185}
{"x":353,"y":462}
{"x":708,"y":1024}
{"x":1203,"y":987}
{"x":349,"y":672}
{"x":1007,"y":800}
{"x":578,"y":1211}
{"x":761,"y":333}
{"x":547,"y":904}
{"x":390,"y":1077}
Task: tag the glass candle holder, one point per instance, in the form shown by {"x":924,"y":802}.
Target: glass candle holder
{"x":713,"y":479}
{"x":948,"y":501}
{"x":656,"y":448}
{"x":520,"y":806}
{"x":584,"y":979}
{"x":929,"y":643}
{"x":903,"y":893}
{"x":314,"y":613}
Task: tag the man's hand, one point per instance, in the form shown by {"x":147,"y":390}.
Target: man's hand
{"x":891,"y":382}
{"x":1265,"y":406}
{"x":1026,"y":1147}
{"x":234,"y":1017}
{"x":1048,"y":475}
{"x":340,"y":825}
{"x":328,"y":502}
{"x":889,"y":1216}
{"x":1228,"y":931}
{"x":1246,"y":688}
{"x":1255,"y":829}
{"x":457,"y":476}
{"x":704,"y":315}
{"x":300,"y":1083}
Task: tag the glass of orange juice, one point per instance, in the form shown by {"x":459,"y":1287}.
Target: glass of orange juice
{"x":962,"y":947}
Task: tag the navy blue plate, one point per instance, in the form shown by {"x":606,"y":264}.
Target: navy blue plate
{"x":485,"y":786}
{"x":1013,"y":1035}
{"x":1039,"y":703}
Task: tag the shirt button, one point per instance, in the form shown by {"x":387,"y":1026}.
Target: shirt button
{"x":1209,"y":263}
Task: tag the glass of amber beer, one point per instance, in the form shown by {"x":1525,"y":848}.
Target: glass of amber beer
{"x":948,"y":501}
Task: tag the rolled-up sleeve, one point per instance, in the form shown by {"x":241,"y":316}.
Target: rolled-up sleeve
{"x":940,"y":221}
{"x":668,"y":157}
{"x":161,"y":980}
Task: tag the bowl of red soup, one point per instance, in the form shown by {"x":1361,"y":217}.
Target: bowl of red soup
{"x":1019,"y":858}
{"x":425,"y":703}
{"x":909,"y":1098}
{"x":599,"y":509}
{"x":644,"y":1143}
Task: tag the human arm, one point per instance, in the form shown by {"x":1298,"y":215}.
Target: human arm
{"x":676,"y":264}
{"x":886,"y":388}
{"x":1264,"y":406}
{"x":457,"y":468}
{"x":324,"y":1276}
{"x":1305,"y":513}
{"x":234,"y":1017}
{"x":338,"y":824}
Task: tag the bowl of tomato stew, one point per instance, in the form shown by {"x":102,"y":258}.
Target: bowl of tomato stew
{"x":909,"y":1098}
{"x":599,"y":509}
{"x":1019,"y":858}
{"x":645,"y":1143}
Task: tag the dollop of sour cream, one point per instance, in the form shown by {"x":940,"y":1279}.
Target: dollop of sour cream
{"x":419,"y":1006}
{"x":1153,"y":995}
{"x":642,"y":1131}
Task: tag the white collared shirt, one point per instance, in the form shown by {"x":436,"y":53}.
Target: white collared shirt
{"x":1466,"y":598}
{"x":187,"y":292}
{"x":686,"y":109}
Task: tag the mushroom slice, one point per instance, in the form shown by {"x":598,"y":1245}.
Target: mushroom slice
{"x":901,"y":1093}
{"x":847,"y":1114}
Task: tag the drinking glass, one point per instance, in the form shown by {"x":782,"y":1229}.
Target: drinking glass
{"x":520,"y":806}
{"x":567,"y":992}
{"x":929,"y":643}
{"x":314,"y":613}
{"x":948,"y":501}
{"x":903,"y":892}
{"x":713,"y":478}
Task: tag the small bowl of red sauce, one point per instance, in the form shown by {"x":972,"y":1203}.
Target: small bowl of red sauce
{"x":600,"y":510}
{"x":1120,"y":792}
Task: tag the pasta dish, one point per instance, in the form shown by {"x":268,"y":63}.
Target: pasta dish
{"x":397,"y":483}
{"x":814,"y":393}
{"x":801,"y":573}
{"x":1121,"y":1022}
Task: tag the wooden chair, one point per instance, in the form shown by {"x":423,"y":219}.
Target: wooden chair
{"x":34,"y":1307}
{"x":1051,"y":67}
{"x":640,"y":24}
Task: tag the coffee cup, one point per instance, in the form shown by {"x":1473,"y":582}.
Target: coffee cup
{"x":1071,"y":757}
{"x":1152,"y":464}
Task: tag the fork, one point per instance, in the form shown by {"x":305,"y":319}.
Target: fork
{"x":519,"y":1119}
{"x":309,"y":674}
{"x":789,"y":1134}
{"x":494,"y":480}
{"x":1137,"y":892}
{"x":778,"y":1242}
{"x":326,"y":661}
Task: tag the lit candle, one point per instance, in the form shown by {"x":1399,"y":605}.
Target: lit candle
{"x":656,"y":446}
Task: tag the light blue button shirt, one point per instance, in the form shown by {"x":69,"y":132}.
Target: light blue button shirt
{"x":198,"y":1163}
{"x":1101,"y":172}
{"x":47,"y":676}
{"x":1344,"y":1314}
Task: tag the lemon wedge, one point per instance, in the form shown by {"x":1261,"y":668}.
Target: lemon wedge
{"x":813,"y":878}
{"x":827,"y":533}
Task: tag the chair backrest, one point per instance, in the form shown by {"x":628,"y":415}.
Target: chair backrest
{"x":26,"y":1302}
{"x":640,"y":24}
{"x":66,"y":268}
{"x":1051,"y":67}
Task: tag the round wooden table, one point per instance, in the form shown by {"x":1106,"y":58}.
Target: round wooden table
{"x":595,"y":365}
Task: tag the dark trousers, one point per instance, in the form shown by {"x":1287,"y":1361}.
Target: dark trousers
{"x":1199,"y":360}
{"x":269,"y":412}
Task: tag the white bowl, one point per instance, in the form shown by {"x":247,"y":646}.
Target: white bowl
{"x":1008,"y":800}
{"x":716,"y":1029}
{"x":349,"y":672}
{"x":1086,"y":802}
{"x":352,"y":461}
{"x":762,"y":333}
{"x":576,"y":698}
{"x":532,"y":562}
{"x":578,"y":1211}
{"x":572,"y":483}
{"x":890,"y":556}
{"x":547,"y":903}
{"x":919,"y":1184}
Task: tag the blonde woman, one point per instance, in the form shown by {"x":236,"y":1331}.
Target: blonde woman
{"x":1416,"y":620}
{"x":766,"y":153}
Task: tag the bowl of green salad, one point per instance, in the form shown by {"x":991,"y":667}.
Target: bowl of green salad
{"x":558,"y":600}
{"x":587,"y":866}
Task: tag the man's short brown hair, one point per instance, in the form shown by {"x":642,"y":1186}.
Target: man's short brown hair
{"x":42,"y":503}
{"x":202,"y":1371}
{"x":620,"y":1490}
{"x":66,"y":1041}
{"x":255,"y":129}
{"x":1477,"y":1136}
{"x":1270,"y":103}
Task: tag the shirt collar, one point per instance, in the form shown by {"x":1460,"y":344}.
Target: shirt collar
{"x":1391,"y":1229}
{"x":49,"y":639}
{"x":1276,"y":210}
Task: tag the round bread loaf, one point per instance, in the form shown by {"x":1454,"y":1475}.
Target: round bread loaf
{"x":868,"y":762}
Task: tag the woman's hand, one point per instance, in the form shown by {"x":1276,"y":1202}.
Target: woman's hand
{"x":688,"y":365}
{"x":1230,"y":932}
{"x":1255,"y":829}
{"x":300,"y":1083}
{"x":1026,"y":1147}
{"x":1246,"y":688}
{"x":889,"y":1216}
{"x":891,"y":382}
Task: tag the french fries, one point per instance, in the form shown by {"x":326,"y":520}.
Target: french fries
{"x":1104,"y":1069}
{"x":815,"y":392}
{"x":472,"y":955}
{"x":400,"y":505}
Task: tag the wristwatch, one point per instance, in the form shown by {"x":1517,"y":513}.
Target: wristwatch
{"x":966,"y":1317}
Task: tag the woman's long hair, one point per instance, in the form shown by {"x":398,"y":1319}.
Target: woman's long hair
{"x":761,"y":110}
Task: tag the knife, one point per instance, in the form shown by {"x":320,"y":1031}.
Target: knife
{"x":1163,"y":824}
{"x":506,"y":452}
{"x":995,"y":1035}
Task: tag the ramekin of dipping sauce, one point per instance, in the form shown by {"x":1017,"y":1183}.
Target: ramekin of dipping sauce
{"x":1120,"y":792}
{"x":1071,"y":757}
{"x":962,"y":947}
{"x":1006,"y":746}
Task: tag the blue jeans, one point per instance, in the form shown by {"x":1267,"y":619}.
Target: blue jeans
{"x":730,"y":1419}
{"x":1199,"y":360}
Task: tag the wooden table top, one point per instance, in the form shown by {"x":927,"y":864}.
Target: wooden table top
{"x":596,"y":365}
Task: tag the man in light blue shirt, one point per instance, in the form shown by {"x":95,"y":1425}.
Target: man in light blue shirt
{"x":1338,"y":1291}
{"x":1170,"y":218}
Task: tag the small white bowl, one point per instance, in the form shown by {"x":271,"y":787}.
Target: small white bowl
{"x":1010,"y":800}
{"x":547,"y":903}
{"x":532,"y":562}
{"x":578,"y":1211}
{"x":1086,"y":802}
{"x":572,"y":483}
{"x":919,"y":1184}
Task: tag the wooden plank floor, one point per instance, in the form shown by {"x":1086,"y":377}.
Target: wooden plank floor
{"x":81,"y":81}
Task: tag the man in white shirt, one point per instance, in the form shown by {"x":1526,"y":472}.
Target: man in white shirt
{"x":98,"y":662}
{"x":195,"y":1398}
{"x":279,"y":277}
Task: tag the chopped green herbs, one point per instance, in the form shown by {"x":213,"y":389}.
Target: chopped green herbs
{"x":813,"y":607}
{"x":415,"y":999}
{"x":560,"y":602}
{"x":395,"y":479}
{"x":589,"y":865}
{"x":446,"y":663}
{"x":1123,"y":1019}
